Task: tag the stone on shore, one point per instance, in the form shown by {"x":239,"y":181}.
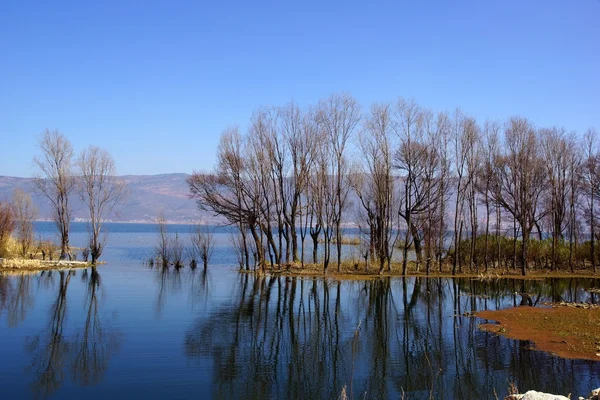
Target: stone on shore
{"x":533,"y":395}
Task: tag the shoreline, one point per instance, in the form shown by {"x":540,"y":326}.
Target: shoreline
{"x":316,"y":271}
{"x":27,"y":265}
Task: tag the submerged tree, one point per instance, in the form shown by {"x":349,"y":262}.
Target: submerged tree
{"x":163,"y":247}
{"x":203,"y":244}
{"x":56,"y":182}
{"x":101,"y":192}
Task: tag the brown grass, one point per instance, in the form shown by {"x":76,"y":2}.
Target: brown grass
{"x":20,"y":264}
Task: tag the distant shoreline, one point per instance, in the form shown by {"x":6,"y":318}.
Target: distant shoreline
{"x":137,"y":222}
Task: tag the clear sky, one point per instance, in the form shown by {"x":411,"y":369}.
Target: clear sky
{"x":156,"y":82}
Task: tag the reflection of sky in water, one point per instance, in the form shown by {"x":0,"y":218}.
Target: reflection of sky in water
{"x":131,"y":331}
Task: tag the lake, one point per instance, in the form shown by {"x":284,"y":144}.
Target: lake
{"x":124,"y":330}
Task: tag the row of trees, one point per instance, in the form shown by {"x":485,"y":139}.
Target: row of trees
{"x":422,"y":180}
{"x":92,"y":173}
{"x":61,"y":175}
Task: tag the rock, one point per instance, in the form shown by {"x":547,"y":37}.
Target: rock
{"x":533,"y":395}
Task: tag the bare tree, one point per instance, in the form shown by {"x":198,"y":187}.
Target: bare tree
{"x":443,"y":127}
{"x":488,"y":154}
{"x":203,"y":243}
{"x":374,"y":184}
{"x":300,"y":135}
{"x":574,"y":172}
{"x":25,"y":212}
{"x":338,"y":117}
{"x":101,"y":192}
{"x":558,"y":153}
{"x":233,"y":192}
{"x":163,"y":247}
{"x":176,"y":250}
{"x":520,"y":175}
{"x":465,"y":133}
{"x":420,"y":181}
{"x":56,"y":181}
{"x":591,"y":185}
{"x":473,"y":166}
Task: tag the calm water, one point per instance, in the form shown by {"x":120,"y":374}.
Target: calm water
{"x":125,"y":330}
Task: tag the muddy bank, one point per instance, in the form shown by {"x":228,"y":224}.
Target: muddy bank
{"x":565,"y":330}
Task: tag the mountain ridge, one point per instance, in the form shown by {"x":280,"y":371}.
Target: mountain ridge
{"x":147,"y":197}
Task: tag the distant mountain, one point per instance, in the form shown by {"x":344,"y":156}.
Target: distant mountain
{"x":148,"y":195}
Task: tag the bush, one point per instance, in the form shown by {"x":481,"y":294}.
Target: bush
{"x":7,"y":225}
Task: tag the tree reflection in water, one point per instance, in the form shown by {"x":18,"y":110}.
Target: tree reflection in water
{"x":16,"y":299}
{"x":83,"y":355}
{"x":287,"y":337}
{"x":172,"y":281}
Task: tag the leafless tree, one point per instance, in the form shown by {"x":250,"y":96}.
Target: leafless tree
{"x":442,"y":141}
{"x":338,"y":117}
{"x":591,"y":185}
{"x":100,"y":191}
{"x":56,"y":181}
{"x":25,"y":213}
{"x":233,"y":192}
{"x":203,"y":243}
{"x":485,"y":181}
{"x":176,"y":249}
{"x":163,"y":247}
{"x":418,"y":164}
{"x":323,"y":202}
{"x":472,"y":147}
{"x":434,"y":186}
{"x":574,"y":172}
{"x":300,"y":136}
{"x":374,"y":183}
{"x":303,"y":151}
{"x":558,"y":152}
{"x":266,"y":161}
{"x":465,"y":133}
{"x":520,"y":175}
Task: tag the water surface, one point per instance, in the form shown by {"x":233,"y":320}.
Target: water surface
{"x":126,"y":330}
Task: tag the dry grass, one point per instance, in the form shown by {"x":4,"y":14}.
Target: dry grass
{"x":20,"y":264}
{"x":13,"y":261}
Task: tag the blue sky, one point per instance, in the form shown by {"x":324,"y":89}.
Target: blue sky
{"x":156,"y":82}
